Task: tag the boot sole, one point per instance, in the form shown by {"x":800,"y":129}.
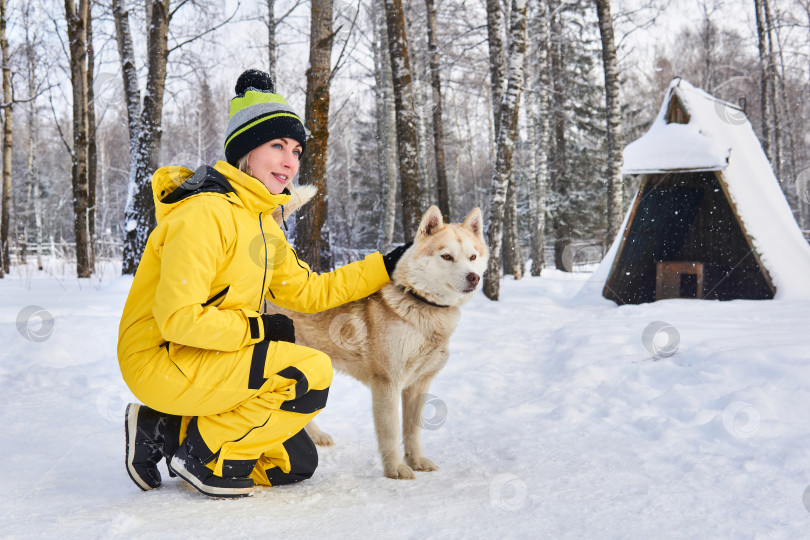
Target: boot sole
{"x":178,"y":468}
{"x":131,"y":428}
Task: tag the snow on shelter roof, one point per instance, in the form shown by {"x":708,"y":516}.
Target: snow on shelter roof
{"x":697,"y":145}
{"x":719,"y":137}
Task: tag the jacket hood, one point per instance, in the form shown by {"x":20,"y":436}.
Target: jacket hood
{"x":172,"y":185}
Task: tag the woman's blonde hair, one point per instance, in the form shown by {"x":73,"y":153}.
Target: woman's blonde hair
{"x":242,"y":164}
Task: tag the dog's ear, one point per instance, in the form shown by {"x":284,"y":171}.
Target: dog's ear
{"x":431,"y":222}
{"x":301,"y":195}
{"x":474,"y":223}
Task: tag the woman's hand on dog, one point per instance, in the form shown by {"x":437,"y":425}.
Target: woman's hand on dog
{"x":392,"y":258}
{"x":278,"y":327}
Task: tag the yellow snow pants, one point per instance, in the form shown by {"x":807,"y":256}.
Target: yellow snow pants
{"x":250,"y":404}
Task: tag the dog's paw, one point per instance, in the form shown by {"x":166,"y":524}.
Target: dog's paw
{"x":319,"y":437}
{"x":322,"y":439}
{"x":422,"y":464}
{"x":400,"y":472}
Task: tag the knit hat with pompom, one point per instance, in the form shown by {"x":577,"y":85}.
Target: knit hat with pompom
{"x":259,"y":115}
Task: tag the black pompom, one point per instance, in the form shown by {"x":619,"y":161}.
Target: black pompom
{"x":253,"y":78}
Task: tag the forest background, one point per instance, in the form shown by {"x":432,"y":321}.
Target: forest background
{"x":518,"y":107}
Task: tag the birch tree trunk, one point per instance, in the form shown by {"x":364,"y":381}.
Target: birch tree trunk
{"x":789,"y":182}
{"x":92,"y":150}
{"x":615,"y":141}
{"x":542,"y":125}
{"x":77,"y":41}
{"x":774,"y":102}
{"x":442,"y":186}
{"x":145,"y":124}
{"x":386,"y":127}
{"x":562,"y":219}
{"x":426,"y":185}
{"x":493,"y":136}
{"x":407,"y":144}
{"x":764,"y":80}
{"x":530,"y":116}
{"x":311,"y":236}
{"x":5,"y":204}
{"x":495,"y":43}
{"x":271,"y":38}
{"x":512,"y":256}
{"x":126,"y":54}
{"x":454,"y":194}
{"x":421,"y":101}
{"x":508,"y":134}
{"x":511,"y":245}
{"x":4,"y":192}
{"x":33,"y":175}
{"x":33,"y":191}
{"x":804,"y":195}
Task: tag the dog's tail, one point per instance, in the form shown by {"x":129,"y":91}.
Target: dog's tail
{"x":301,"y":195}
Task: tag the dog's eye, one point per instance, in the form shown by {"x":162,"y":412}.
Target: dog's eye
{"x":473,"y":257}
{"x":447,"y":257}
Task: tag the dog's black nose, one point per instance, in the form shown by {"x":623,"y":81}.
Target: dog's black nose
{"x":473,"y":278}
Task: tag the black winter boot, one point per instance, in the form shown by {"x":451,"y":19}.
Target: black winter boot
{"x":189,"y":463}
{"x":150,"y":436}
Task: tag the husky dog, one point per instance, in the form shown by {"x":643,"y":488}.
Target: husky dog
{"x":396,"y":340}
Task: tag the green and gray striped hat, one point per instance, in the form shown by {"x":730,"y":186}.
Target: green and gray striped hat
{"x":259,"y":115}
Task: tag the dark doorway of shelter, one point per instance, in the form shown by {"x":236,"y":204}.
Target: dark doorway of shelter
{"x":685,"y":217}
{"x":688,"y":288}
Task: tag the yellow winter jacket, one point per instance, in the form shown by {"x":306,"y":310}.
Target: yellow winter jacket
{"x":213,"y":257}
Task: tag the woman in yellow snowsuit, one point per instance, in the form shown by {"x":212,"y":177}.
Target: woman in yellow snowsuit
{"x":226,"y":390}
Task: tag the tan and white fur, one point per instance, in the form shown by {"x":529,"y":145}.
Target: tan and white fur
{"x":394,"y":342}
{"x":299,"y":196}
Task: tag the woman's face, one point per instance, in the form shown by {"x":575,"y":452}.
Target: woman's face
{"x":275,"y":163}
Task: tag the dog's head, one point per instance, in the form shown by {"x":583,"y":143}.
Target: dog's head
{"x":446,"y":261}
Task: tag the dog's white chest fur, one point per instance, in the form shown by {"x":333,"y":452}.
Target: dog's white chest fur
{"x":417,"y":341}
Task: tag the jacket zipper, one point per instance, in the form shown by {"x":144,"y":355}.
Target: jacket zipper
{"x":217,"y":296}
{"x":264,"y":277}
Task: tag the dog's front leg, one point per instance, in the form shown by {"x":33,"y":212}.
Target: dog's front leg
{"x":385,"y":400}
{"x":318,"y":436}
{"x":413,"y":403}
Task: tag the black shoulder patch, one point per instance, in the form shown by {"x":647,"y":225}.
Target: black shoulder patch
{"x":204,"y":180}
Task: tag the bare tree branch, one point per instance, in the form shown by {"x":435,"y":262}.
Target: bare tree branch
{"x":339,"y":63}
{"x":181,"y":4}
{"x":58,"y":126}
{"x":208,"y":31}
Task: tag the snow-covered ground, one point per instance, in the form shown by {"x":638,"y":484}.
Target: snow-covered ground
{"x":556,"y":417}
